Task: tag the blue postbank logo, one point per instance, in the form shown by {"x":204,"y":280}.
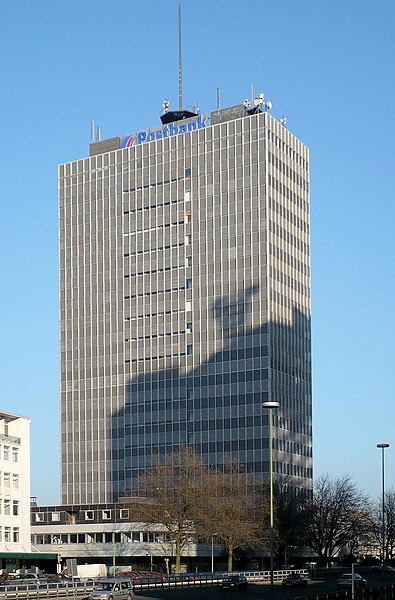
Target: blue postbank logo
{"x":165,"y":132}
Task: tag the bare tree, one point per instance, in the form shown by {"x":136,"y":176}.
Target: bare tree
{"x":236,"y":510}
{"x":338,"y":515}
{"x":174,"y":492}
{"x":389,"y":523}
{"x":292,"y":512}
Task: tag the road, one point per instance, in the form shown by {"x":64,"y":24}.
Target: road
{"x":255,"y":591}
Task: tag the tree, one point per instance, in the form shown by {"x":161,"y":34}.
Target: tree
{"x":389,"y":522}
{"x":292,"y":511}
{"x":337,"y":517}
{"x":236,"y":509}
{"x":173,"y":494}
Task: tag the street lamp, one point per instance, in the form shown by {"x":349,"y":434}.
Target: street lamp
{"x":270,"y":406}
{"x":383,"y":446}
{"x":212,"y":551}
{"x":114,"y":533}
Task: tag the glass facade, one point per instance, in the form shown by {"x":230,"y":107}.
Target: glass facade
{"x":185,"y":304}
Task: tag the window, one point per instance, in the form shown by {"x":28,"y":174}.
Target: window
{"x":15,"y":455}
{"x":188,"y":217}
{"x":188,"y":305}
{"x":189,"y":327}
{"x":124,"y":513}
{"x":106,"y":514}
{"x":7,"y":506}
{"x":55,"y":516}
{"x":89,"y":515}
{"x":15,"y":481}
{"x":15,"y":535}
{"x":188,"y":283}
{"x":7,"y":480}
{"x":39,"y":517}
{"x":188,"y":172}
{"x":189,"y":349}
{"x":189,"y":261}
{"x":188,"y":242}
{"x":7,"y":534}
{"x":6,"y":453}
{"x":135,"y":536}
{"x":15,"y":508}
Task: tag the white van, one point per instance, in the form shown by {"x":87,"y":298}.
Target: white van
{"x":116,"y":588}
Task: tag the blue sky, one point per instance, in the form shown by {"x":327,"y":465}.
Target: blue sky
{"x":327,"y":65}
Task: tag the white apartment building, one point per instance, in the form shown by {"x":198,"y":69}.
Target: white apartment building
{"x":14,"y":486}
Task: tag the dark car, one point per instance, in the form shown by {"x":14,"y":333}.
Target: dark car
{"x":345,"y":581}
{"x":234,"y":583}
{"x":380,"y":569}
{"x":295,"y":580}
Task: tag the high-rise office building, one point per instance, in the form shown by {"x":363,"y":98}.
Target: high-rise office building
{"x":185,"y":300}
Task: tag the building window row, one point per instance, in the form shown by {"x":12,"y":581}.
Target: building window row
{"x":288,"y":171}
{"x":288,"y":215}
{"x":154,"y":271}
{"x":155,"y":250}
{"x":9,"y":479}
{"x":9,"y":535}
{"x":286,"y":148}
{"x":156,"y":228}
{"x":152,"y":206}
{"x":160,"y":335}
{"x":160,"y":357}
{"x":9,"y":453}
{"x":288,"y":237}
{"x":109,"y":537}
{"x":157,"y":293}
{"x":9,"y":507}
{"x":157,"y":183}
{"x":159,"y":314}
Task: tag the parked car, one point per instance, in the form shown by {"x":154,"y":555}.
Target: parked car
{"x":133,"y":575}
{"x":155,"y":575}
{"x":295,"y":580}
{"x":345,"y":581}
{"x":115,"y":588}
{"x":234,"y":583}
{"x":380,"y":569}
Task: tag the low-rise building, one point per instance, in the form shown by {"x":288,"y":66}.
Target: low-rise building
{"x":111,"y":534}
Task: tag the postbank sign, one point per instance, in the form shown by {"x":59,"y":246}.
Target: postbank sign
{"x":164,"y":132}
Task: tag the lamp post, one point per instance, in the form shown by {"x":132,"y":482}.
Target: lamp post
{"x":270,"y":406}
{"x":113,"y":552}
{"x":383,"y":447}
{"x":212,"y":551}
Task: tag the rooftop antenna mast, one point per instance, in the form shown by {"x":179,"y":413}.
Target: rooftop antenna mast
{"x":179,"y":60}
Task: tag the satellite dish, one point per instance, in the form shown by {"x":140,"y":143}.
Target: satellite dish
{"x":269,"y":105}
{"x":257,"y":102}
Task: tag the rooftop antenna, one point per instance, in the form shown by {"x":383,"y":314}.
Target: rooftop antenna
{"x":92,"y":132}
{"x":218,"y":98}
{"x":98,"y":134}
{"x":179,"y":60}
{"x":252,"y":93}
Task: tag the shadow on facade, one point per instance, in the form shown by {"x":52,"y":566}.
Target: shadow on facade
{"x":217,"y":406}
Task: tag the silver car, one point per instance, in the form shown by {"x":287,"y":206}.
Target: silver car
{"x":116,"y":588}
{"x":345,"y":581}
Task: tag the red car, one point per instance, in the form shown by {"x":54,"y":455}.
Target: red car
{"x":295,"y":580}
